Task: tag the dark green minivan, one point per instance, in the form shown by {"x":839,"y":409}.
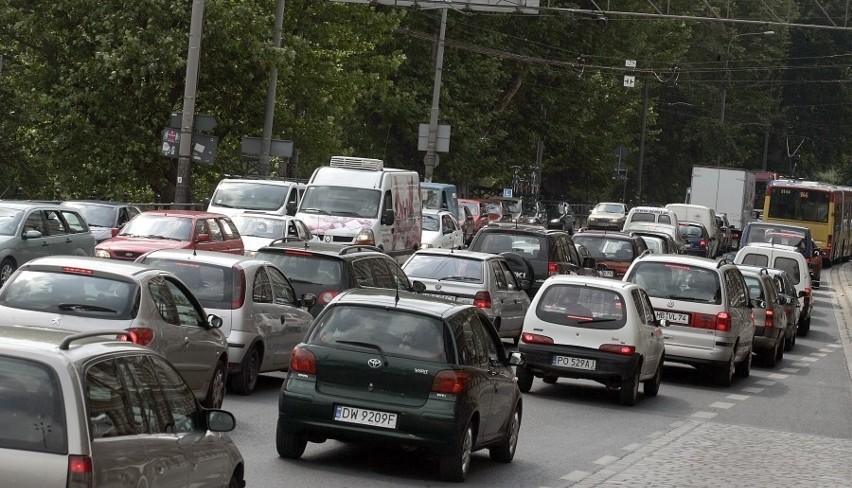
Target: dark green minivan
{"x":402,"y":368}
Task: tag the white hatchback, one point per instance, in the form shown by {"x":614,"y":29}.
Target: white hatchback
{"x":441,"y":230}
{"x":593,"y":328}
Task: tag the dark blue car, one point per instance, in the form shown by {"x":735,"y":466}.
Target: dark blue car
{"x":696,"y":238}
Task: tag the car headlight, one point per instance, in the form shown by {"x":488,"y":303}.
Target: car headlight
{"x":426,"y":246}
{"x":250,"y":254}
{"x":554,"y":221}
{"x":101,"y":253}
{"x":365,"y":238}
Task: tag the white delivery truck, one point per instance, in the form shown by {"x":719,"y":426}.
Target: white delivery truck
{"x":359,"y":201}
{"x":726,"y":190}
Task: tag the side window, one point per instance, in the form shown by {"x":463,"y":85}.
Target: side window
{"x":284,"y":293}
{"x":132,"y":212}
{"x":485,"y":348}
{"x":363,"y":273}
{"x":74,"y":221}
{"x":261,"y":288}
{"x":179,"y":398}
{"x":163,"y":300}
{"x":201,"y":228}
{"x":293,"y":198}
{"x":106,"y":405}
{"x":398,"y":275}
{"x":497,"y":273}
{"x":122,"y":217}
{"x":664,"y":219}
{"x":388,"y":205}
{"x":557,"y":250}
{"x":469,"y":353}
{"x":572,"y":253}
{"x":643,"y":307}
{"x":510,"y":277}
{"x":188,"y":314}
{"x":229,"y":229}
{"x":737,"y":290}
{"x":304,"y":232}
{"x":55,"y":225}
{"x":791,"y":266}
{"x":34,"y":222}
{"x":148,"y":410}
{"x":488,"y":340}
{"x":291,"y":229}
{"x":382,"y":275}
{"x":215,"y":230}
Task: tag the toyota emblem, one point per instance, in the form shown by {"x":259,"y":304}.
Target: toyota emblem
{"x":374,"y":363}
{"x":670,"y":304}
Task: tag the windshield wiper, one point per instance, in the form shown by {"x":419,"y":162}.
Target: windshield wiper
{"x":458,"y":278}
{"x":347,"y":213}
{"x":367,"y":345}
{"x":162,"y":237}
{"x":83,"y":306}
{"x":594,"y":321}
{"x":315,"y":210}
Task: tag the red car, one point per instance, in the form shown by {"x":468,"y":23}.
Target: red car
{"x":172,"y":229}
{"x":479,"y":212}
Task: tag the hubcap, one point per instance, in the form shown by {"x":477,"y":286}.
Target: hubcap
{"x":513,"y":433}
{"x":253,"y":368}
{"x":218,"y":388}
{"x":467,"y":447}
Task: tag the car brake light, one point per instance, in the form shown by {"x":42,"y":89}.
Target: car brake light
{"x":302,"y":361}
{"x":482,"y":299}
{"x":114,"y":231}
{"x":326,"y":297}
{"x":723,"y":321}
{"x":807,"y":296}
{"x":139,"y":335}
{"x":82,"y":271}
{"x":703,"y":243}
{"x":450,"y":381}
{"x":297,"y":253}
{"x":80,"y":472}
{"x":618,"y":349}
{"x":769,"y":321}
{"x":552,"y":268}
{"x":239,"y":289}
{"x":530,"y":338}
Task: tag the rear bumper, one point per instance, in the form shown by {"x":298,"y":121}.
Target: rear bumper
{"x":610,"y":368}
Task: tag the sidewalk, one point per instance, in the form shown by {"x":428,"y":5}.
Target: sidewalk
{"x":689,"y":454}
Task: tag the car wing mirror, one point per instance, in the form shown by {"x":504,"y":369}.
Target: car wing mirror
{"x":202,"y":238}
{"x":214,"y":321}
{"x":418,"y":287}
{"x":220,"y":421}
{"x":783,"y":300}
{"x":308,"y":300}
{"x":525,"y":284}
{"x":517,"y":359}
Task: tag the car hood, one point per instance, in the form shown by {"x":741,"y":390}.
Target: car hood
{"x":101,"y":233}
{"x":140,"y":245}
{"x":335,"y":225}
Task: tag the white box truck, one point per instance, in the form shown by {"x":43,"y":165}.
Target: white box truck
{"x":726,"y":190}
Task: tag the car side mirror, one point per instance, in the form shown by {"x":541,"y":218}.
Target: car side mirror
{"x":589,"y":262}
{"x":517,"y":359}
{"x":308,"y":300}
{"x":291,"y":208}
{"x":220,"y":421}
{"x":524,"y":284}
{"x":388,"y":217}
{"x":759,"y":303}
{"x":31,"y":234}
{"x":214,"y":321}
{"x":202,"y":238}
{"x":418,"y":287}
{"x":783,"y":300}
{"x":802,"y":293}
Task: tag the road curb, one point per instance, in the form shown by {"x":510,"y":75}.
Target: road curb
{"x":841,"y":303}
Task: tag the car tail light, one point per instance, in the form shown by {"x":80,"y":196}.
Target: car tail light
{"x":530,"y":338}
{"x":807,"y":296}
{"x":114,"y":231}
{"x":618,"y":349}
{"x":552,"y":268}
{"x":450,"y":381}
{"x":769,"y":321}
{"x":80,"y":472}
{"x":482,"y":299}
{"x":239,"y":289}
{"x":139,"y":335}
{"x":828,"y":247}
{"x":703,"y":243}
{"x":303,"y":361}
{"x":326,"y":297}
{"x":723,"y":321}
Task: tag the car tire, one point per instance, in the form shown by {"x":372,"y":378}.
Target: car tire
{"x":519,"y":264}
{"x":216,"y":390}
{"x":7,"y":268}
{"x":525,"y":378}
{"x":723,"y":374}
{"x":779,"y":354}
{"x":771,"y":357}
{"x":245,"y":380}
{"x":650,"y":388}
{"x":789,"y":342}
{"x":805,"y":327}
{"x":288,"y":444}
{"x":236,"y":481}
{"x":504,"y":452}
{"x":743,"y":368}
{"x":628,"y":394}
{"x":456,"y":466}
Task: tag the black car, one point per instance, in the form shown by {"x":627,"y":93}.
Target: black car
{"x":559,"y":216}
{"x":533,"y":213}
{"x":697,"y":239}
{"x":105,"y":219}
{"x":402,"y":368}
{"x":533,"y":252}
{"x":328,"y":269}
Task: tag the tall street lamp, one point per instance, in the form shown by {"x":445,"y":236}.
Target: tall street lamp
{"x":727,"y":59}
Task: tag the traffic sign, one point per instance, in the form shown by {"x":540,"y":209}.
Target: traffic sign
{"x":203,"y":146}
{"x":253,"y":146}
{"x":201,"y":123}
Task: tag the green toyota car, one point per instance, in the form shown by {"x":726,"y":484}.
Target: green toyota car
{"x":402,"y":368}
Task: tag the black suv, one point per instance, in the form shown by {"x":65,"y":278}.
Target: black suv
{"x":327,"y":269}
{"x":533,"y":253}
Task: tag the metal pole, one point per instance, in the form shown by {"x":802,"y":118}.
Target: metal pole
{"x":765,"y":148}
{"x":642,"y":142}
{"x":266,"y":143}
{"x":184,"y":165}
{"x":429,"y":159}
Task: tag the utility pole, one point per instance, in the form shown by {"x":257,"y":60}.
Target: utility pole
{"x":642,"y":142}
{"x":184,"y":165}
{"x":269,"y":115}
{"x":429,"y":159}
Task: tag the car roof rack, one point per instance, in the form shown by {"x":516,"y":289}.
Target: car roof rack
{"x":723,"y":262}
{"x":358,"y":248}
{"x":66,"y":342}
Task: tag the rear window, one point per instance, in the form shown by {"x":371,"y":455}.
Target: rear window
{"x":32,"y":417}
{"x":211,"y":284}
{"x":72,"y":293}
{"x":305,"y":267}
{"x":581,"y":306}
{"x":752,"y":259}
{"x":677,"y":281}
{"x":691,"y":231}
{"x":608,"y":248}
{"x":791,"y":266}
{"x":396,"y":333}
{"x":450,"y":268}
{"x":530,"y":247}
{"x":642,"y":217}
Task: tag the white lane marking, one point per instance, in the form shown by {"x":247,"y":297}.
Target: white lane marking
{"x":766,"y":382}
{"x":704,"y":415}
{"x":654,"y":435}
{"x":631,"y":447}
{"x":738,"y":397}
{"x":809,"y":359}
{"x":802,"y":365}
{"x":819,"y":354}
{"x":576,"y":475}
{"x":833,"y":345}
{"x":825,"y":349}
{"x":778,"y":376}
{"x":722,"y":405}
{"x":790,"y":370}
{"x":605,"y":460}
{"x":751,"y":389}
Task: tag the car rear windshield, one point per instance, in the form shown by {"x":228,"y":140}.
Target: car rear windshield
{"x":677,"y":281}
{"x":72,"y":292}
{"x":643,"y":217}
{"x":607,"y":248}
{"x":212,"y":285}
{"x":31,"y":414}
{"x":581,"y":306}
{"x":391,"y":332}
{"x":449,"y":268}
{"x":690,"y":231}
{"x":306,"y":267}
{"x":528,"y":246}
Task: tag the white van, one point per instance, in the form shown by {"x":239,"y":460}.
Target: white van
{"x":236,"y":195}
{"x":698,"y":213}
{"x":653,"y":215}
{"x":359,"y":201}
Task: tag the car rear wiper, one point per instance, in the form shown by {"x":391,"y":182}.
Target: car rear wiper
{"x":369,"y":346}
{"x":83,"y":306}
{"x":688,"y":299}
{"x":458,"y":278}
{"x":594,"y":321}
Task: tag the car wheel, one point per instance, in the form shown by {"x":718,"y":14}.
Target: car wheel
{"x":288,"y":444}
{"x":771,"y":357}
{"x":550,"y":380}
{"x":743,"y":369}
{"x":216,"y":390}
{"x":779,"y":354}
{"x":651,"y":387}
{"x":505,"y":451}
{"x":628,"y":394}
{"x":525,"y":378}
{"x":789,"y":342}
{"x":455,"y":466}
{"x":245,"y":381}
{"x":236,"y":481}
{"x":805,"y":327}
{"x":724,"y":373}
{"x":7,"y":267}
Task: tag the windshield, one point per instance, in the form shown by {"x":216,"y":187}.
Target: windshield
{"x":677,"y":281}
{"x":210,"y":284}
{"x":810,"y":205}
{"x":609,"y":208}
{"x":159,"y":227}
{"x":250,"y":195}
{"x":259,"y":226}
{"x":341,"y":201}
{"x":303,"y":267}
{"x":96,"y":215}
{"x":431,"y":223}
{"x":444,"y":267}
{"x":9,"y":220}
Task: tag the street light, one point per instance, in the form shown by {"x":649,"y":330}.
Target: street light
{"x":727,"y":59}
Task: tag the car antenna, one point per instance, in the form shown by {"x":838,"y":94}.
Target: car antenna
{"x":396,"y":302}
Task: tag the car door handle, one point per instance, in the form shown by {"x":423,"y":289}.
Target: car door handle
{"x":283,"y":320}
{"x":68,"y":240}
{"x":186,"y":342}
{"x":44,"y":244}
{"x":160,"y":469}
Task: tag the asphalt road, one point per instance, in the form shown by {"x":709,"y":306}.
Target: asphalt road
{"x":787,"y":426}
